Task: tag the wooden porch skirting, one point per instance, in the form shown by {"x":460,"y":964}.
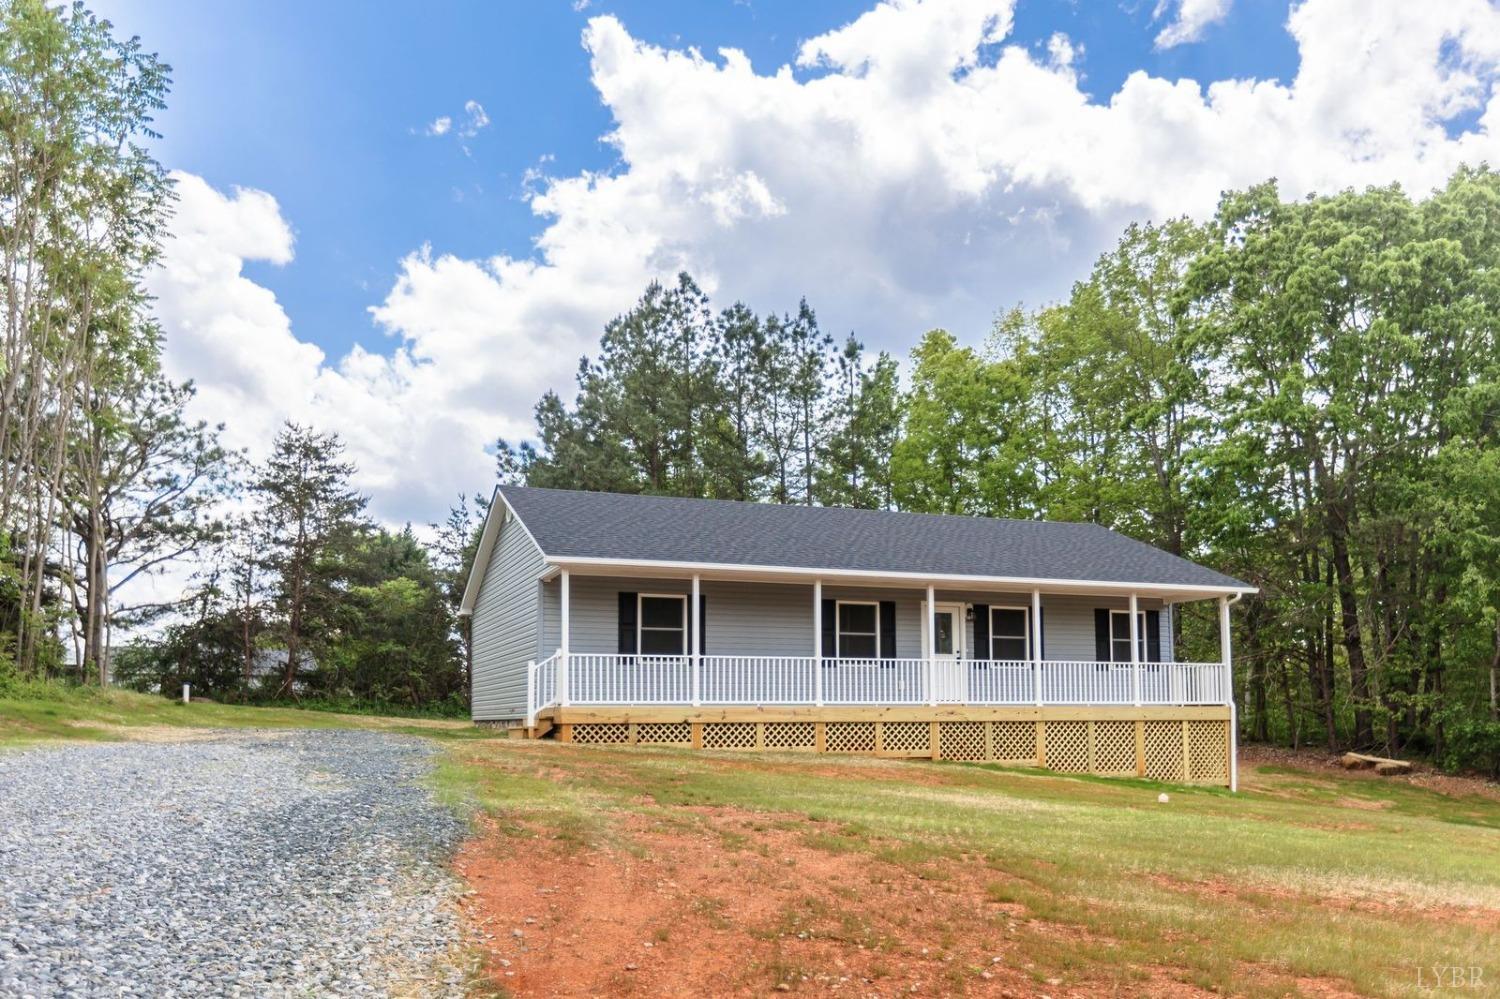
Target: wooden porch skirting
{"x":1183,"y":744}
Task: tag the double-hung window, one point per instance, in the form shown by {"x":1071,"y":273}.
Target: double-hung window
{"x":1010,"y":634}
{"x":859,"y":630}
{"x":663,"y":625}
{"x":1119,"y":635}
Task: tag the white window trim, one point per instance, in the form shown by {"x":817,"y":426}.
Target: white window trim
{"x":838,"y":626}
{"x":640,"y":622}
{"x":1026,"y":615}
{"x":1140,"y":635}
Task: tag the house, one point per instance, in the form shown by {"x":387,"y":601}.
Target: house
{"x":725,"y":625}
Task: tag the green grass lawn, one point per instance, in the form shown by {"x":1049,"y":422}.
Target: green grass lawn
{"x":48,"y":712}
{"x":1307,"y":881}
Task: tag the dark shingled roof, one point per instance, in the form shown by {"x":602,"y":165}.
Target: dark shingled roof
{"x":569,"y":524}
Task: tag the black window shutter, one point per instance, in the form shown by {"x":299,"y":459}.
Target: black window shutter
{"x":981,"y":632}
{"x":1101,"y":635}
{"x":888,"y":629}
{"x":1041,"y":619}
{"x":830,"y":629}
{"x":627,"y":624}
{"x":702,"y":624}
{"x":1153,"y":636}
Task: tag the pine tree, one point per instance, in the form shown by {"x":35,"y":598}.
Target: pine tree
{"x":307,"y":511}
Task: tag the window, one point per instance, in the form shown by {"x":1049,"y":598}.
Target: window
{"x":1119,"y":635}
{"x":943,"y":633}
{"x":859,"y":630}
{"x":1010,"y":637}
{"x":663,"y":625}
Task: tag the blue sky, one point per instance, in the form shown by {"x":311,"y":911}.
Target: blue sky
{"x":902,"y":164}
{"x":324,"y":105}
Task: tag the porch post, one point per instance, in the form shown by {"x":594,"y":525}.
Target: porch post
{"x":1228,"y":672}
{"x":1224,"y":632}
{"x":931,"y":644}
{"x":1036,"y":642}
{"x":697,"y":645}
{"x":562,"y":660}
{"x":1135,"y":651}
{"x":818,"y":642}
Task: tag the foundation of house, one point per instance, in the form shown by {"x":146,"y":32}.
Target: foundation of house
{"x":1182,"y":744}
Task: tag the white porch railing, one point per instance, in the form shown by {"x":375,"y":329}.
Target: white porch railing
{"x":875,"y":681}
{"x":757,"y":680}
{"x":599,"y":679}
{"x":541,"y":686}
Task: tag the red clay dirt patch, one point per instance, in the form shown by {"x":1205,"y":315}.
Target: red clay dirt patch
{"x":716,"y":901}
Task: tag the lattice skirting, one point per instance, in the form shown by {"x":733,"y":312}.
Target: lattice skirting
{"x":1067,"y":746}
{"x":790,"y":735}
{"x":850,"y":737}
{"x":1015,"y":742}
{"x":1207,"y":749}
{"x":1165,"y":752}
{"x":664,"y":734}
{"x":1193,"y":750}
{"x":905,"y":738}
{"x":1113,"y":747}
{"x":731,"y":735}
{"x":601,"y":734}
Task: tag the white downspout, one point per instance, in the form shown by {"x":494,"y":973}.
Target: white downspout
{"x":1234,"y":718}
{"x":531,"y":694}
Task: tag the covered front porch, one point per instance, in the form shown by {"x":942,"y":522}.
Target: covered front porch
{"x":732,"y":641}
{"x":1071,"y":677}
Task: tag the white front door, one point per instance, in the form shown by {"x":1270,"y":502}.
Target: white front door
{"x":947,"y":644}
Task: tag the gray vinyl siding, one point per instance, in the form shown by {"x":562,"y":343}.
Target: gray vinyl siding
{"x":505,"y":626}
{"x":549,"y":635}
{"x":763,"y":619}
{"x":774,"y":619}
{"x":1068,"y":620}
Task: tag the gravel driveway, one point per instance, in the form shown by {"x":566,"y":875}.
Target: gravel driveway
{"x":257,"y":864}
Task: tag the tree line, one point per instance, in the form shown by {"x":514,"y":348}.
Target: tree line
{"x":1304,"y":394}
{"x":104,"y":479}
{"x":729,"y":405}
{"x":82,"y":206}
{"x":303,"y":597}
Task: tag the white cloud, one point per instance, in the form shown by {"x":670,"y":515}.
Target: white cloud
{"x":1061,"y":50}
{"x":231,"y":336}
{"x":915,"y":173}
{"x":1193,"y":18}
{"x":477,"y":119}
